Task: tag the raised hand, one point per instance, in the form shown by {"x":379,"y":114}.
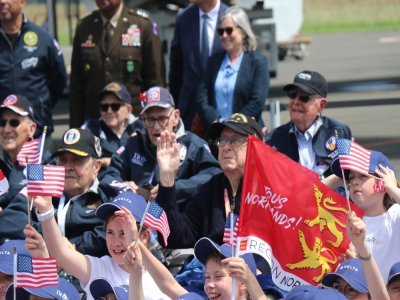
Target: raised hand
{"x":167,"y":157}
{"x":133,"y":259}
{"x":128,"y":224}
{"x":43,"y":204}
{"x":34,"y":242}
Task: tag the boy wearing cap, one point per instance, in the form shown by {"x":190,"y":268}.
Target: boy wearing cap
{"x":137,"y":165}
{"x":79,"y":153}
{"x":206,"y":213}
{"x":116,"y":123}
{"x":309,"y":138}
{"x":393,"y":282}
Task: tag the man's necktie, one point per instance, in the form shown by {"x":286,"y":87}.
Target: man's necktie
{"x":108,"y":33}
{"x":205,"y":49}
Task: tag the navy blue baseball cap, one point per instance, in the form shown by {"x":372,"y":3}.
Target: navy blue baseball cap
{"x":63,"y":291}
{"x":156,"y":97}
{"x":310,"y":82}
{"x":117,"y":89}
{"x":394,"y":273}
{"x":19,"y":104}
{"x":101,"y":287}
{"x":204,"y":247}
{"x":310,"y":292}
{"x":352,"y":272}
{"x":377,"y":158}
{"x":7,"y":256}
{"x":135,"y":203}
{"x":190,"y":296}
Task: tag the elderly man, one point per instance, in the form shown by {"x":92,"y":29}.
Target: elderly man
{"x":17,"y":126}
{"x":208,"y":209}
{"x":31,"y":62}
{"x":137,"y":165}
{"x":116,"y":123}
{"x":79,"y":153}
{"x":309,"y":138}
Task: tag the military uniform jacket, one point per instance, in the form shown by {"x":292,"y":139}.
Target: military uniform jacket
{"x":33,"y":67}
{"x":324,"y":141}
{"x":134,"y":58}
{"x":138,"y":162}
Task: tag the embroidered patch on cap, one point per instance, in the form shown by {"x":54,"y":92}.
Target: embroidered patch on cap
{"x":304,"y":76}
{"x":10,"y":100}
{"x":153,"y":95}
{"x":72,"y":136}
{"x":239,"y":118}
{"x":113,"y":87}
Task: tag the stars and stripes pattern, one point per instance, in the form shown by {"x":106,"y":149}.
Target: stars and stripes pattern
{"x":45,"y":180}
{"x":156,"y":219}
{"x":30,"y":150}
{"x":228,"y":229}
{"x":353,"y":157}
{"x":34,"y":272}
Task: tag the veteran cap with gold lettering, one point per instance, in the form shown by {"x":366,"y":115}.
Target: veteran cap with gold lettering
{"x":80,"y":142}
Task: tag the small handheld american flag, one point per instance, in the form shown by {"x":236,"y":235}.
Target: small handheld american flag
{"x":156,"y":219}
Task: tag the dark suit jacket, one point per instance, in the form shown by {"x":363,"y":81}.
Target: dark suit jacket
{"x":185,"y":63}
{"x":251,"y":88}
{"x":284,"y":140}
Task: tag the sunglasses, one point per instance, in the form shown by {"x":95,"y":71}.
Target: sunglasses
{"x":228,"y":30}
{"x":303,"y":96}
{"x":13,"y":122}
{"x":114,"y":106}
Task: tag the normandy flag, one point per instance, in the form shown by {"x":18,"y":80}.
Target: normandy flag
{"x":290,"y":218}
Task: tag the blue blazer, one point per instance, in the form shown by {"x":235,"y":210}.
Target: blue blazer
{"x":185,"y":63}
{"x":251,"y":88}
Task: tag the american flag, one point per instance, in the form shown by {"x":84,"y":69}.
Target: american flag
{"x":156,"y":219}
{"x":353,"y":157}
{"x":34,"y":272}
{"x":227,"y":230}
{"x":31,"y":150}
{"x":45,"y":180}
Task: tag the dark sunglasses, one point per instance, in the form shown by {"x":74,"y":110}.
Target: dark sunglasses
{"x":228,"y":30}
{"x":303,"y":96}
{"x":13,"y":122}
{"x":114,"y":106}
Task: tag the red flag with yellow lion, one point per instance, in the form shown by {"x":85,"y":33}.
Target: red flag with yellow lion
{"x":290,"y":218}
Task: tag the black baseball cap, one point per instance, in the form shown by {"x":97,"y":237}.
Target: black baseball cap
{"x":239,"y":123}
{"x":311,"y":82}
{"x":80,"y":142}
{"x":117,"y":89}
{"x":19,"y":104}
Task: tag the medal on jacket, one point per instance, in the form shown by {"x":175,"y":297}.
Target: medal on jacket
{"x":132,"y":37}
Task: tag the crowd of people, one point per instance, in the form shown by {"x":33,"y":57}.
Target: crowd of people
{"x":183,"y":146}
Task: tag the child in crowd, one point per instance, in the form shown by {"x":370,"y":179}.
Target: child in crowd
{"x":358,"y":278}
{"x":375,"y":190}
{"x":393,"y":282}
{"x":118,"y":236}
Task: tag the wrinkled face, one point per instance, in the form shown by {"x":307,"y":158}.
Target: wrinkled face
{"x":361,"y":188}
{"x":5,"y":281}
{"x":158,"y":119}
{"x":108,"y":6}
{"x":232,"y":156}
{"x":234,"y":41}
{"x":10,"y":9}
{"x":114,"y":119}
{"x":80,"y":172}
{"x":303,"y":114}
{"x":394,"y":289}
{"x":12,"y":138}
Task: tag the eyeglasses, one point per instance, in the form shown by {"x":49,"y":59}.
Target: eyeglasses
{"x":228,"y":30}
{"x":162,"y":121}
{"x":13,"y":122}
{"x":234,"y":141}
{"x":114,"y":106}
{"x":303,"y":96}
{"x":348,"y":291}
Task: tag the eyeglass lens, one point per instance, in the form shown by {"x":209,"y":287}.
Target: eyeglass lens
{"x":234,"y":141}
{"x":346,"y":290}
{"x":114,"y":106}
{"x":303,"y":97}
{"x":228,"y":30}
{"x":162,"y":121}
{"x":13,"y":122}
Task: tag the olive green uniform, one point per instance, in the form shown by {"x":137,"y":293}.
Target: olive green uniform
{"x":134,"y":57}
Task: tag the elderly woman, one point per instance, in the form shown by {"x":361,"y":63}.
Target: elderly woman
{"x":206,"y":213}
{"x":236,"y":80}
